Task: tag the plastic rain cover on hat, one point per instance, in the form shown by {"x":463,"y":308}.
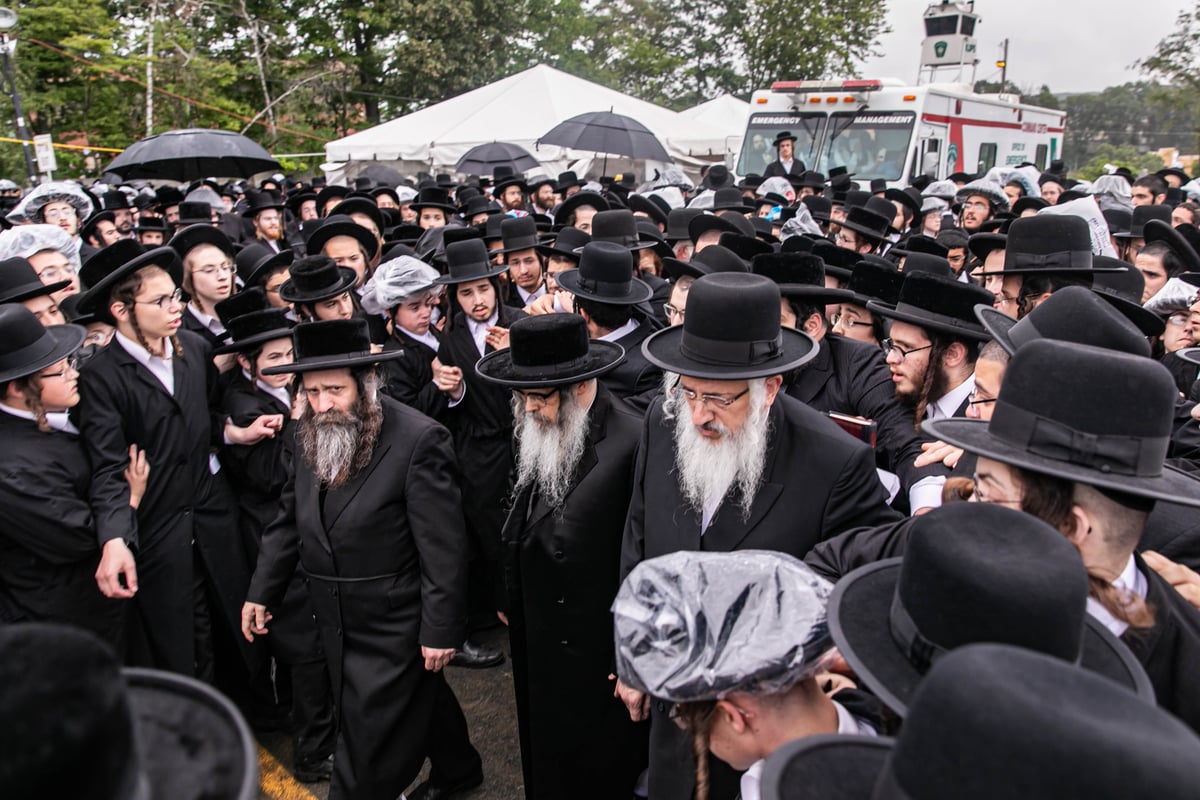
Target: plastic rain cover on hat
{"x":693,"y":626}
{"x":982,"y":187}
{"x":669,"y":195}
{"x":25,"y":240}
{"x":945,"y":190}
{"x":1093,"y":216}
{"x":394,"y":282}
{"x":1111,"y":191}
{"x":406,"y":194}
{"x":206,"y":195}
{"x":779,"y":186}
{"x":51,"y":192}
{"x":802,"y":223}
{"x":1173,"y":297}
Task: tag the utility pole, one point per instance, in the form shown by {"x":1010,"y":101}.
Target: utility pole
{"x":150,"y":69}
{"x":8,"y":50}
{"x":1003,"y":65}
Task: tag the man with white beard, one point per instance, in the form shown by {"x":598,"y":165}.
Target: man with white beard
{"x":371,"y":511}
{"x":728,"y":462}
{"x":575,"y":450}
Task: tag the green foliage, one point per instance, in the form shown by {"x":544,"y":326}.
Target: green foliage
{"x":1124,"y":155}
{"x":1143,"y":115}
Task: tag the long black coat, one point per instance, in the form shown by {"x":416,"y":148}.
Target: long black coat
{"x":635,"y":380}
{"x":48,"y":549}
{"x":817,"y":482}
{"x":853,"y":378}
{"x":409,"y":379}
{"x":561,"y":571}
{"x":122,"y":404}
{"x":384,"y":560}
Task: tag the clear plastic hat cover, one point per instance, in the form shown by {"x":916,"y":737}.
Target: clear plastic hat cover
{"x":693,"y":626}
{"x":394,"y":282}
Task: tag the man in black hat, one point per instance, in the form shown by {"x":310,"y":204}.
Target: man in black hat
{"x":568,"y":183}
{"x":118,"y":203}
{"x":866,"y":227}
{"x":541,"y":195}
{"x":1148,"y":190}
{"x":574,"y":471}
{"x":718,"y":454}
{"x":785,"y":162}
{"x":979,"y":202}
{"x":526,"y":266}
{"x":433,"y":207}
{"x":371,"y":513}
{"x":97,"y":232}
{"x":509,"y":189}
{"x":20,"y":284}
{"x":150,"y":231}
{"x":320,"y":289}
{"x":266,"y":215}
{"x":348,"y":243}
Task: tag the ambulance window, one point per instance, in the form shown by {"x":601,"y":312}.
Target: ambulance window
{"x":987,"y":157}
{"x":968,"y":26}
{"x":941,"y":26}
{"x":1040,"y":158}
{"x":871,"y":144}
{"x":758,"y":148}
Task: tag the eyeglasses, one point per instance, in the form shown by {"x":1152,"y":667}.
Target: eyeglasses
{"x":164,"y":302}
{"x":973,"y":399}
{"x":890,"y":347}
{"x":847,"y":322}
{"x":71,"y":368}
{"x":981,"y":497}
{"x":1178,"y":320}
{"x":55,"y":214}
{"x":533,"y":398}
{"x":710,"y":400}
{"x":55,"y":274}
{"x":216,"y":269}
{"x":672,"y":311}
{"x":976,"y":205}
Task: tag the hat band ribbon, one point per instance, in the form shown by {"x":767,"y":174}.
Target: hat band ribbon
{"x":939,"y":317}
{"x":920,"y":651}
{"x":562,"y":367}
{"x":44,"y":346}
{"x":725,"y":353}
{"x":606,"y":288}
{"x":1132,"y":456}
{"x":1065,"y":259}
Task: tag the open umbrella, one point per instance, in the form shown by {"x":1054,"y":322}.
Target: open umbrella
{"x":607,"y":132}
{"x":193,"y":153}
{"x":482,"y":159}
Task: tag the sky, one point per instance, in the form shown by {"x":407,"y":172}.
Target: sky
{"x":1070,"y":45}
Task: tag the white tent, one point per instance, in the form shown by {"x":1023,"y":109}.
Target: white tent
{"x":519,"y":109}
{"x":725,"y":112}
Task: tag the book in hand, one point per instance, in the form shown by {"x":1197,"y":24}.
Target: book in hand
{"x":860,"y":428}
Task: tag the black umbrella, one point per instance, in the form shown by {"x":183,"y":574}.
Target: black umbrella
{"x":607,"y":132}
{"x":193,"y":153}
{"x":482,"y":159}
{"x":381,"y":175}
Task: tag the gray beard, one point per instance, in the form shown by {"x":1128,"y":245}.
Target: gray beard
{"x":547,"y":455}
{"x":329,"y":443}
{"x":709,"y":470}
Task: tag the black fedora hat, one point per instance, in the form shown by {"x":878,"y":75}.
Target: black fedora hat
{"x":677,"y":223}
{"x":920,"y":243}
{"x":870,"y":219}
{"x":27,"y":347}
{"x":764,"y":230}
{"x":981,"y":244}
{"x":730,"y":199}
{"x":994,"y":722}
{"x":830,"y":766}
{"x":70,"y":308}
{"x":256,"y":202}
{"x":649,"y":234}
{"x":605,"y":275}
{"x":1072,"y":314}
{"x":332,"y":344}
{"x":88,"y":228}
{"x":924,"y":262}
{"x":723,"y":221}
{"x":145,"y":223}
{"x":504,"y":176}
{"x":746,"y":247}
{"x":296,"y":200}
{"x":618,"y":226}
{"x":1139,"y":217}
{"x":798,"y":275}
{"x":1009,"y":577}
{"x":566,"y":180}
{"x":518,"y":233}
{"x":646,"y":204}
{"x":1049,"y":244}
{"x":810,"y":179}
{"x":247,"y":331}
{"x":331,"y":192}
{"x":109,"y":266}
{"x":874,"y":279}
{"x":262,"y":262}
{"x":937,"y":304}
{"x":566,"y":243}
{"x":797,"y":243}
{"x":1122,"y":288}
{"x":469,"y":260}
{"x":567,"y":208}
{"x":909,"y":197}
{"x":479,"y":204}
{"x":819,"y":207}
{"x":839,"y":261}
{"x":1159,"y":231}
{"x":433,"y":197}
{"x":1176,"y":171}
{"x":1029,"y":204}
{"x":315,"y":278}
{"x":783,"y":136}
{"x":193,"y":236}
{"x":549,"y":350}
{"x":341,"y":225}
{"x":731,"y":332}
{"x":1119,"y":220}
{"x":115,"y":199}
{"x":361,"y":205}
{"x":716,"y":177}
{"x":713,"y":258}
{"x":19,"y":281}
{"x":1047,"y":420}
{"x":243,"y":302}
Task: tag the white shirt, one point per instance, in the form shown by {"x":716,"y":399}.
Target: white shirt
{"x":57,"y":420}
{"x":529,"y":297}
{"x":945,"y":406}
{"x":426,"y":338}
{"x":479,"y":331}
{"x":159,"y":366}
{"x":281,"y":394}
{"x":624,"y":330}
{"x":787,"y":165}
{"x":1131,"y":582}
{"x":213,"y":324}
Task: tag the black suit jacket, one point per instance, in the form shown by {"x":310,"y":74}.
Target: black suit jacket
{"x":561,"y":570}
{"x":775,"y":169}
{"x":409,"y":379}
{"x":817,"y":482}
{"x":635,"y":380}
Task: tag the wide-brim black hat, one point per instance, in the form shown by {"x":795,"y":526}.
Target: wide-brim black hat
{"x":714,"y":258}
{"x":783,"y":136}
{"x":24,"y":281}
{"x":519,"y":233}
{"x":566,"y":243}
{"x":248,"y":331}
{"x":469,"y":260}
{"x":828,"y":766}
{"x":923,"y":299}
{"x":341,"y":225}
{"x":193,"y":236}
{"x":259,"y":201}
{"x":605,"y":275}
{"x":433,"y":198}
{"x":646,"y":205}
{"x":268,"y":264}
{"x":731,"y":332}
{"x":723,"y":221}
{"x":1122,"y":289}
{"x":1072,"y":314}
{"x":582,"y":198}
{"x":109,"y":267}
{"x":28,"y":349}
{"x":547,"y":351}
{"x":1159,"y":231}
{"x":332,"y":344}
{"x":860,"y":619}
{"x":798,"y":275}
{"x":342,"y":280}
{"x":874,"y":279}
{"x":1139,"y":217}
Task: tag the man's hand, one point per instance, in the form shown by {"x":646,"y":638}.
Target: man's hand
{"x":497,"y":337}
{"x":254,"y":620}
{"x":435,"y":658}
{"x":263,"y":427}
{"x":1185,"y":580}
{"x":543,"y":305}
{"x":117,"y":560}
{"x":637,"y":702}
{"x":448,"y":380}
{"x":934,"y":452}
{"x":136,"y":475}
{"x":502,"y":617}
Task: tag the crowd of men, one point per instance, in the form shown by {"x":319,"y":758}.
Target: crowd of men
{"x":783,"y":486}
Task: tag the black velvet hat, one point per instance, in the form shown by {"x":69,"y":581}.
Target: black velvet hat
{"x":1072,"y":314}
{"x":798,"y":275}
{"x":469,"y":260}
{"x":330,"y":193}
{"x":1029,"y":204}
{"x":361,"y":205}
{"x":605,"y":275}
{"x":874,"y":279}
{"x":567,"y":207}
{"x":1159,"y":231}
{"x":618,"y":226}
{"x":746,"y":247}
{"x":341,"y":225}
{"x":26,"y":346}
{"x":677,"y":223}
{"x":920,"y":243}
{"x":731,"y":332}
{"x":566,"y":180}
{"x":798,"y":243}
{"x":1138,"y":219}
{"x":19,"y":281}
{"x":1119,"y":220}
{"x":819,"y":207}
{"x":109,"y":266}
{"x":839,"y":261}
{"x":257,"y":202}
{"x":504,"y":176}
{"x":88,"y":228}
{"x":730,"y":199}
{"x":928,"y":264}
{"x":646,"y":205}
{"x":1085,"y":414}
{"x":254,"y":264}
{"x":315,"y":278}
{"x":783,"y":136}
{"x":937,"y":304}
{"x":833,"y":766}
{"x":1122,"y":288}
{"x":972,"y":572}
{"x":247,"y":331}
{"x":981,"y":244}
{"x":243,"y":302}
{"x":433,"y":197}
{"x":869,"y":219}
{"x":519,"y":233}
{"x":910,"y":198}
{"x":994,"y":722}
{"x":296,"y":200}
{"x":650,"y":235}
{"x":713,"y":258}
{"x":193,"y":236}
{"x":479,"y":204}
{"x":1049,"y":244}
{"x":549,"y":350}
{"x":332,"y":344}
{"x":724,"y":221}
{"x":566,"y":243}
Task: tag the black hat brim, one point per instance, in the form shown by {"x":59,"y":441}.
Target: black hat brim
{"x":64,"y":340}
{"x":816,"y":292}
{"x":537,"y":243}
{"x":347,"y":279}
{"x":324,"y":233}
{"x":251,"y":213}
{"x":827,"y":766}
{"x":283,"y":258}
{"x":250,"y":342}
{"x":449,"y":209}
{"x":346,"y":360}
{"x":998,"y":324}
{"x":936,"y":322}
{"x":452,"y":280}
{"x":28,"y":291}
{"x":638,"y":291}
{"x":193,"y":236}
{"x":973,"y":436}
{"x":662,"y":349}
{"x":93,"y":300}
{"x":859,"y":620}
{"x":498,"y":368}
{"x":1146,"y":321}
{"x":1189,"y":354}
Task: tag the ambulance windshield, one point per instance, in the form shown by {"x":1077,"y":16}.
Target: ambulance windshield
{"x":758,"y":148}
{"x":870,"y":144}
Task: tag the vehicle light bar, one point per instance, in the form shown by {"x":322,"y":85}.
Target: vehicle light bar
{"x":826,"y":86}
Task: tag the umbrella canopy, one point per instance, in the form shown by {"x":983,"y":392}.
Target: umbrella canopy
{"x":193,"y":153}
{"x":607,"y":132}
{"x":483,"y":159}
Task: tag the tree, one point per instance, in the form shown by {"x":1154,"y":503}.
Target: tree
{"x":1118,"y":156}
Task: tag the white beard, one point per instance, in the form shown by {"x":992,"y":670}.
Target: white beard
{"x":334,"y":444}
{"x":708,"y":470}
{"x":547,"y":455}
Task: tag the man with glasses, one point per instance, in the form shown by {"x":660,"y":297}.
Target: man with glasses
{"x":978,"y":202}
{"x":575,"y":448}
{"x":51,"y":253}
{"x":729,"y":462}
